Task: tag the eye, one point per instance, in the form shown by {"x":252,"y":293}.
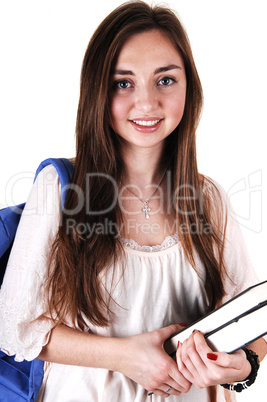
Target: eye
{"x":121,"y":84}
{"x":166,"y":81}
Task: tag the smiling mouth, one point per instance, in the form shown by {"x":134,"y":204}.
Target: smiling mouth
{"x":144,"y":123}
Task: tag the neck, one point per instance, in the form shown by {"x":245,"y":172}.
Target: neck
{"x":143,"y":166}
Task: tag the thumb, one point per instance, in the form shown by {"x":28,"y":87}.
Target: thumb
{"x":234,"y":360}
{"x":166,"y":332}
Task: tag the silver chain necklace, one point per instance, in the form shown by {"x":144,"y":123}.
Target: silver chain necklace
{"x":146,"y":208}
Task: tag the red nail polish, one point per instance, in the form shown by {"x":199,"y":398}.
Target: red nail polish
{"x":212,"y":356}
{"x":178,"y":344}
{"x":183,"y":324}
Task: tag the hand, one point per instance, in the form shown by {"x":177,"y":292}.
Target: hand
{"x":149,"y":365}
{"x":203,"y":367}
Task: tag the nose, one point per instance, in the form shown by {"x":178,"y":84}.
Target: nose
{"x":146,"y":100}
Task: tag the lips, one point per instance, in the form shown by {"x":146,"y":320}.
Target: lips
{"x":146,"y":125}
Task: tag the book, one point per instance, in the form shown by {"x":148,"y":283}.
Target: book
{"x":231,"y":326}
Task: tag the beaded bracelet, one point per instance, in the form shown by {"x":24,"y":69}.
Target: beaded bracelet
{"x":253,"y":358}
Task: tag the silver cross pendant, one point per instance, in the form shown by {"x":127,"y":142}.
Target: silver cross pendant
{"x":146,"y":209}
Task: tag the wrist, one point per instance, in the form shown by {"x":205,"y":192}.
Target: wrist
{"x":246,"y":369}
{"x":253,"y":360}
{"x":112,"y":353}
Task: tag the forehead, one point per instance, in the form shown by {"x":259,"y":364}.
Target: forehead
{"x":148,"y":47}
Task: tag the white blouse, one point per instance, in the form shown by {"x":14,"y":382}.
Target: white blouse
{"x":158,"y":288}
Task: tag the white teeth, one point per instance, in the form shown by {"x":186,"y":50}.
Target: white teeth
{"x":146,"y":123}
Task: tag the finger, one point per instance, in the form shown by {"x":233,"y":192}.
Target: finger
{"x":225,"y":360}
{"x":219,"y":365}
{"x":181,"y":366}
{"x":177,"y":380}
{"x":165,"y":391}
{"x":158,"y":392}
{"x":191,"y":363}
{"x":176,"y":389}
{"x":204,"y":354}
{"x":233,"y":362}
{"x":170,"y":389}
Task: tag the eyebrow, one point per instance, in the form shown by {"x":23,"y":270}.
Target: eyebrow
{"x":157,"y":71}
{"x":167,"y":68}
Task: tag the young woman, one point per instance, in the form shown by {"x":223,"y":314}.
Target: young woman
{"x":145,"y":244}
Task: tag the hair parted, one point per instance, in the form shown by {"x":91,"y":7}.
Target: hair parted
{"x":74,"y":286}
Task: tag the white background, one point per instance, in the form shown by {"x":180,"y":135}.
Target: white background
{"x":42,"y":47}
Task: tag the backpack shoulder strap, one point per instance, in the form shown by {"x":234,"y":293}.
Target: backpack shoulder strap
{"x":64,"y":170}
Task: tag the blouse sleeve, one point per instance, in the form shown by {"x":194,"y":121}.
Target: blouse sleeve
{"x":240,"y":273}
{"x":24,"y":328}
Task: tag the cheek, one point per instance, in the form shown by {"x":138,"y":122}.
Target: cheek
{"x":119,"y":111}
{"x":176,"y":106}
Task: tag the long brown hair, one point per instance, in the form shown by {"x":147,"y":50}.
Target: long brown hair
{"x":74,"y":285}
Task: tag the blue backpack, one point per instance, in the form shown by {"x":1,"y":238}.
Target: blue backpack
{"x":21,"y":381}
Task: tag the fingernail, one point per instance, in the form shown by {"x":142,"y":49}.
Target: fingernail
{"x":178,"y":344}
{"x":195,"y":330}
{"x":212,"y":356}
{"x":183,"y":324}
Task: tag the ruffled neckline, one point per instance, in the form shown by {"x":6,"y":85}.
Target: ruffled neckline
{"x":168,"y":242}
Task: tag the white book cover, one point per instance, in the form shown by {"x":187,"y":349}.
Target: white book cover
{"x":231,"y":326}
